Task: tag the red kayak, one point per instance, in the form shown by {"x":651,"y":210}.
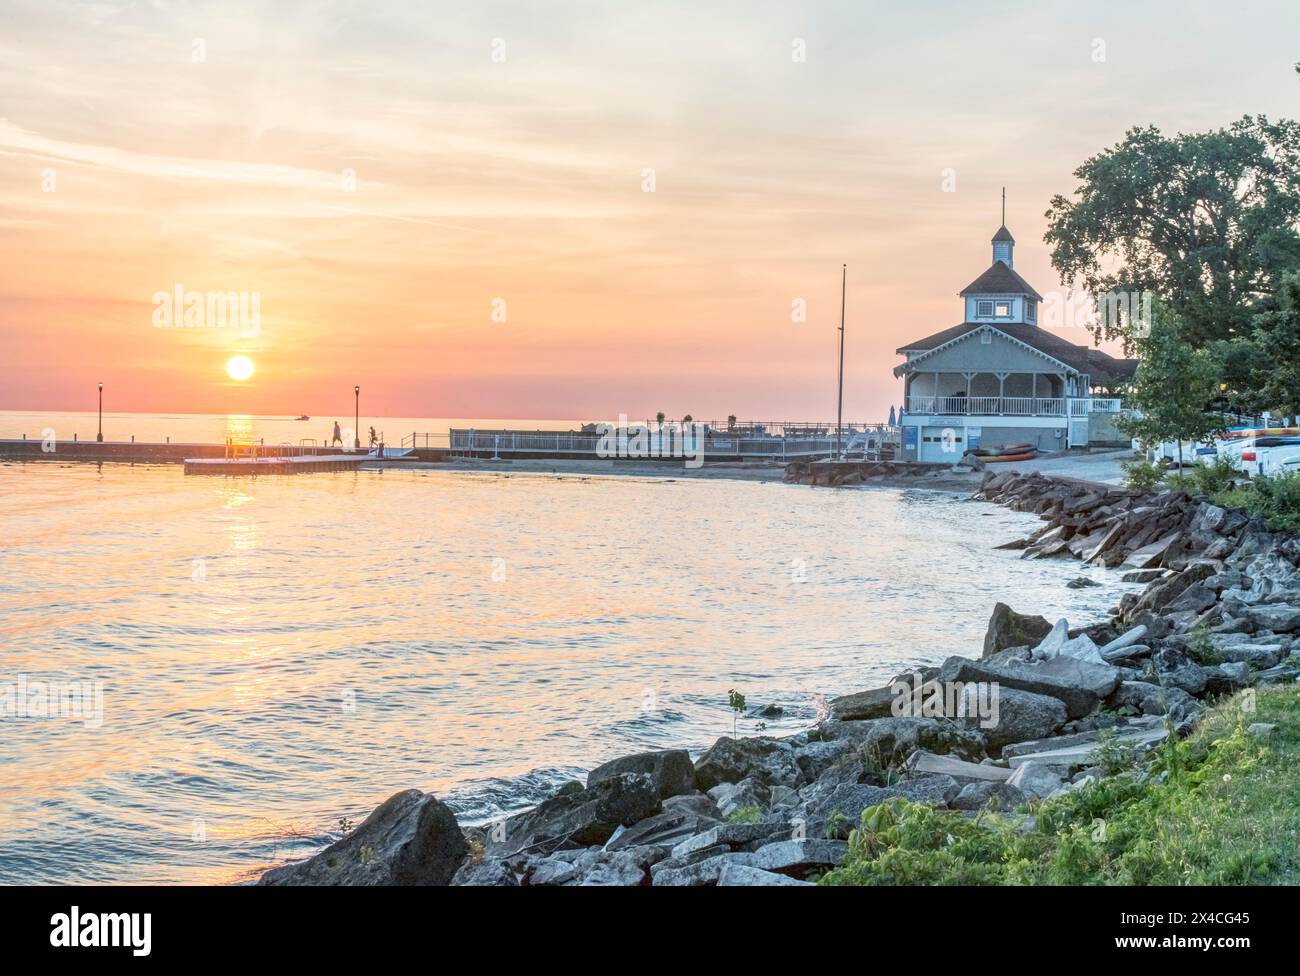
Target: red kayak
{"x":992,"y":459}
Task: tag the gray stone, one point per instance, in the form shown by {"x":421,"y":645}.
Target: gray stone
{"x":887,"y":742}
{"x":665,"y":829}
{"x":1238,"y":672}
{"x":1258,"y":655}
{"x":1196,"y":598}
{"x":1050,"y":646}
{"x":623,"y":869}
{"x":1277,"y":617}
{"x":733,"y":836}
{"x":1176,"y":669}
{"x":735,"y":875}
{"x":1142,"y":576}
{"x":1080,"y":686}
{"x":798,"y":857}
{"x":863,"y":705}
{"x":703,"y":872}
{"x":731,"y":760}
{"x":487,"y":873}
{"x":584,"y":818}
{"x":1124,"y":640}
{"x":731,"y":797}
{"x":844,"y":805}
{"x":977,"y":796}
{"x":412,"y":838}
{"x":1261,"y":730}
{"x":699,"y":804}
{"x":1154,"y":699}
{"x":1010,"y":629}
{"x":671,"y":770}
{"x":1034,"y":779}
{"x":1022,"y":715}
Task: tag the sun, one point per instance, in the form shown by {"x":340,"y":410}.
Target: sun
{"x":239,"y":368}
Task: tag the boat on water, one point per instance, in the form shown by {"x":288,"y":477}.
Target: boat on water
{"x":303,"y":417}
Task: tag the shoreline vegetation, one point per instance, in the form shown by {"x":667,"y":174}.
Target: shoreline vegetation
{"x":1157,"y":747}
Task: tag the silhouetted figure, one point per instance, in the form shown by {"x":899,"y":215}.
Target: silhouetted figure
{"x":338,"y":435}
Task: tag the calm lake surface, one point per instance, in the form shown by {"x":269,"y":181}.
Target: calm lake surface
{"x":281,"y":652}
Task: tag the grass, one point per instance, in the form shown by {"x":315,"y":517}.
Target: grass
{"x":1277,"y":499}
{"x":1221,"y":807}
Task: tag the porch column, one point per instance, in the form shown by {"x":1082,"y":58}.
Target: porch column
{"x":969,"y":377}
{"x":1002,"y":384}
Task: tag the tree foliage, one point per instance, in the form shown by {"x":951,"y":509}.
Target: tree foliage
{"x":1262,"y":367}
{"x":1207,"y":221}
{"x":1174,"y":385}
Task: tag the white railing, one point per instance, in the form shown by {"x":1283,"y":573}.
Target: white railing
{"x":987,"y":406}
{"x":1082,"y":406}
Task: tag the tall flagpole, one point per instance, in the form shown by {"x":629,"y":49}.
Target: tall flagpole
{"x":839,"y":409}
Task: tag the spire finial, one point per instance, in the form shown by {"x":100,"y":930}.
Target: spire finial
{"x":1004,"y":206}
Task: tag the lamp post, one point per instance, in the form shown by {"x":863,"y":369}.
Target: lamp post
{"x":356,"y":421}
{"x":100,"y":435}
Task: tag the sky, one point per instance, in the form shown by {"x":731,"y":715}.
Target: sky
{"x":555,"y":210}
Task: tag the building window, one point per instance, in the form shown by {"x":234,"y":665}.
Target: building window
{"x":1031,"y":311}
{"x":1003,"y":310}
{"x":986,"y":338}
{"x":984,"y":309}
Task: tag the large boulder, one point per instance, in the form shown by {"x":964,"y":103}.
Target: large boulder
{"x":1059,"y":643}
{"x":1079,"y":685}
{"x":864,"y":705}
{"x":664,"y":829}
{"x":887,"y":742}
{"x":839,"y":810}
{"x":1176,"y":669}
{"x":412,"y":838}
{"x":1278,"y":617}
{"x":1021,"y":716}
{"x":671,"y":770}
{"x":580,"y":818}
{"x":743,"y":876}
{"x":1154,"y":699}
{"x":487,"y":873}
{"x":798,"y":858}
{"x":1010,"y":629}
{"x":731,"y":760}
{"x":979,"y":795}
{"x":1035,"y":780}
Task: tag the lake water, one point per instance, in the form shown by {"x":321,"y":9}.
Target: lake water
{"x":278,"y":653}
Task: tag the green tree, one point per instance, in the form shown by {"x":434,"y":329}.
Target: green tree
{"x":1262,"y":369}
{"x":1174,"y":385}
{"x":1207,"y":221}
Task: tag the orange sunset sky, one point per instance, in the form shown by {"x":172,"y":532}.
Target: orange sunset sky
{"x":499,"y":152}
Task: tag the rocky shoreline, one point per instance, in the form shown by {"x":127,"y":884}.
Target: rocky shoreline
{"x":1220,"y":612}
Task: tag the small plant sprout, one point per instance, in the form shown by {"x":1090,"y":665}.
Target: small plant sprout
{"x":737,"y":702}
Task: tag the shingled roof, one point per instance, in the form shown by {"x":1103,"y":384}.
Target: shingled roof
{"x":1100,"y":366}
{"x":1000,"y":280}
{"x":1003,"y":235}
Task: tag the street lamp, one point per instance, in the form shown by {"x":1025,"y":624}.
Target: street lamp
{"x":100,"y":436}
{"x":356,"y":421}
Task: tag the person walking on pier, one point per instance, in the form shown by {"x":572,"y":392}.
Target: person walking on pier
{"x":338,"y":435}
